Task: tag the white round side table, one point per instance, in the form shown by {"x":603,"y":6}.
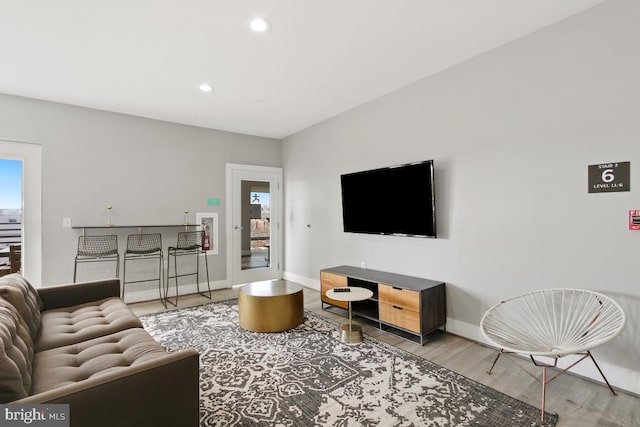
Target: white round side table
{"x":351,"y":334}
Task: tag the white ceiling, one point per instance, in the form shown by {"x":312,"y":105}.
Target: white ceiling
{"x":320,"y":58}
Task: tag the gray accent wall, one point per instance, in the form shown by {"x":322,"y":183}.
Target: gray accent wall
{"x":512,"y":133}
{"x":149,"y":171}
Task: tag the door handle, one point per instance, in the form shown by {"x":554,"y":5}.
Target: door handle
{"x":237,"y":227}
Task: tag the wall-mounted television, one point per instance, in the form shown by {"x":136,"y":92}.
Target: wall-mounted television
{"x":396,"y":200}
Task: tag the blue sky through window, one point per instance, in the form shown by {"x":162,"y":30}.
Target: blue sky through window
{"x":11,"y":179}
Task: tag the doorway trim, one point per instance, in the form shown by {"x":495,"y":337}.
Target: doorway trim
{"x":276,"y":232}
{"x":31,"y":156}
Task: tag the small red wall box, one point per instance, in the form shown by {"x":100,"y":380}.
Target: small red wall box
{"x":634,"y":220}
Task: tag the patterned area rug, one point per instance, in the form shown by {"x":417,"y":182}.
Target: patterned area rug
{"x":307,"y":377}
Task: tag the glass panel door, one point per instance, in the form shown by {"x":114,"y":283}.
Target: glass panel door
{"x":254,"y":232}
{"x":256,"y":228}
{"x":10,"y":214}
{"x":30,"y":156}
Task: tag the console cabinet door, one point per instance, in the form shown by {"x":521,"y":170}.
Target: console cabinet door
{"x":330,"y":281}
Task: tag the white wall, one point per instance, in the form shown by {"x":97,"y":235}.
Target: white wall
{"x":512,"y":133}
{"x":149,"y":171}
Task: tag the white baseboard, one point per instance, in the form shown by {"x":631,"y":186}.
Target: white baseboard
{"x":304,"y":281}
{"x":152,"y":294}
{"x":618,"y":376}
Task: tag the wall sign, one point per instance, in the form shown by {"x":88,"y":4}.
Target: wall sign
{"x":609,"y":177}
{"x":634,"y":220}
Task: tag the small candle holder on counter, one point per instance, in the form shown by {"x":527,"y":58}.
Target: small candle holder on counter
{"x":109,"y":216}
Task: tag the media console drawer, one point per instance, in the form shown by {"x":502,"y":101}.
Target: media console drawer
{"x":404,"y":298}
{"x":399,"y":316}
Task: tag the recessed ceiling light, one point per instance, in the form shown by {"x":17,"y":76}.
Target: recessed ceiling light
{"x":259,"y":25}
{"x":205,"y":87}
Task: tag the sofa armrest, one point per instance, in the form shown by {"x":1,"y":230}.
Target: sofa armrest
{"x":160,"y":392}
{"x":78,"y":293}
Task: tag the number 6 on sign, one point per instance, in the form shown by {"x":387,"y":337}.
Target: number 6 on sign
{"x":607,"y":175}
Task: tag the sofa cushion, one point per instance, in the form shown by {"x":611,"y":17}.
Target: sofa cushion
{"x":19,"y":292}
{"x":70,"y":364}
{"x":71,"y":325}
{"x":16,"y":354}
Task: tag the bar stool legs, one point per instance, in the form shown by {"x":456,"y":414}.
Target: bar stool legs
{"x":145,"y":247}
{"x":171,"y":251}
{"x":189,"y":243}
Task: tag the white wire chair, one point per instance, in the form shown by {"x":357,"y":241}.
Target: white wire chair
{"x":553,"y":323}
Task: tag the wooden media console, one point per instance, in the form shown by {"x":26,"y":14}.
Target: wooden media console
{"x":409,"y":306}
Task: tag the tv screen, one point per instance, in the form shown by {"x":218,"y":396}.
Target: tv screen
{"x":397,"y":200}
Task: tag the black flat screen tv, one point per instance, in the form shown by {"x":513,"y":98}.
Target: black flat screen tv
{"x":396,"y":200}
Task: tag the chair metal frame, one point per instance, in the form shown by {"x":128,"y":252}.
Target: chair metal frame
{"x":142,"y":246}
{"x":100,"y":248}
{"x":189,"y":243}
{"x":553,"y":323}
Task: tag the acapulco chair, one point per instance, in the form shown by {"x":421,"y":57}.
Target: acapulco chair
{"x":553,"y":323}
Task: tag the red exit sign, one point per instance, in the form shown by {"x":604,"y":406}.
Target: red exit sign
{"x":634,"y":220}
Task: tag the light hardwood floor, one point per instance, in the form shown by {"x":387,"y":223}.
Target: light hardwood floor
{"x":578,"y":402}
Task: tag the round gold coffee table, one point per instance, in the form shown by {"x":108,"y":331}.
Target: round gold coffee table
{"x":270,"y":306}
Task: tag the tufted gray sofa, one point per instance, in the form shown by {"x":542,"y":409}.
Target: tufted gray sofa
{"x":80,"y":344}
